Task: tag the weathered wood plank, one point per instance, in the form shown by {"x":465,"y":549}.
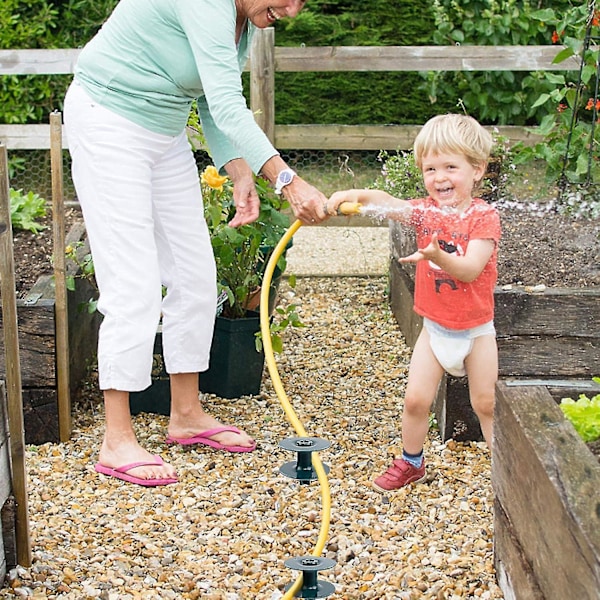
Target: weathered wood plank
{"x":5,"y":476}
{"x":37,"y":330}
{"x":403,"y":242}
{"x":402,"y":289}
{"x":295,"y":137}
{"x":541,"y":467}
{"x":558,"y":388}
{"x":555,"y":311}
{"x":56,"y":61}
{"x":421,"y":58}
{"x":60,"y":61}
{"x":37,"y":345}
{"x":5,"y":483}
{"x":547,"y":356}
{"x":453,"y":412}
{"x":513,"y":572}
{"x":40,"y":415}
{"x":346,"y":137}
{"x":8,"y":516}
{"x":262,"y":82}
{"x":365,"y":137}
{"x":28,"y":137}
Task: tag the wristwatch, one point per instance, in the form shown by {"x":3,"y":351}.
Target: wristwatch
{"x":284,"y":178}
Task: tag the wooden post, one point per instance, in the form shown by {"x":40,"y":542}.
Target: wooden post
{"x":60,"y":280}
{"x":13,"y":368}
{"x":262,"y":80}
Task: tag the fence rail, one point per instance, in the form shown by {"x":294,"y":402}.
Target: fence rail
{"x":267,"y":59}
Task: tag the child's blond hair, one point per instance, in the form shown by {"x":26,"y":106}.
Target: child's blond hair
{"x":453,"y":134}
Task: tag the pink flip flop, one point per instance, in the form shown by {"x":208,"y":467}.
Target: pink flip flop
{"x":121,"y":473}
{"x":205,"y":438}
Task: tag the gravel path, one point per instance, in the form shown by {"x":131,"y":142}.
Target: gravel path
{"x":340,"y":251}
{"x":224,"y":532}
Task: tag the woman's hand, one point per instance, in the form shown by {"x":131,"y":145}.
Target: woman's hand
{"x":307,"y":202}
{"x":245,"y":196}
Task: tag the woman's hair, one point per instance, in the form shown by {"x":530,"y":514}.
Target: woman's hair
{"x":453,"y":134}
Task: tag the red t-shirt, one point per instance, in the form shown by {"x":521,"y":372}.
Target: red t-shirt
{"x":438,"y":296}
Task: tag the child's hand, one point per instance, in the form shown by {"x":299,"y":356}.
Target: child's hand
{"x":430,"y":252}
{"x":337,"y":198}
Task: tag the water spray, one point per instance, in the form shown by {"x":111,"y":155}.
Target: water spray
{"x":308,"y":466}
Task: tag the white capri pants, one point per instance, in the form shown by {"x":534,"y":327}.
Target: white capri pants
{"x":142,"y":205}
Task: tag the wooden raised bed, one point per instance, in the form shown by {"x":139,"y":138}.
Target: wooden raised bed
{"x":37,"y":345}
{"x":7,"y":534}
{"x":547,"y":500}
{"x":552,"y":335}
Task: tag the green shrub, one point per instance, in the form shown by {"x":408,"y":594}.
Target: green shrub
{"x":493,"y":97}
{"x":43,"y":24}
{"x":355,"y":97}
{"x":569,"y":130}
{"x":400,"y":176}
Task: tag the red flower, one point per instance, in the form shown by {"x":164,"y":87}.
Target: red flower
{"x":596,"y":18}
{"x":590,"y":105}
{"x":555,"y":37}
{"x":561,"y":108}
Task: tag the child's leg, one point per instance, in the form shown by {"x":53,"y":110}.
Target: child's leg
{"x":482,"y":371}
{"x":424,"y":377}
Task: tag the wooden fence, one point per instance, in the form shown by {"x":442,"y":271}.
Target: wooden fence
{"x":267,"y":59}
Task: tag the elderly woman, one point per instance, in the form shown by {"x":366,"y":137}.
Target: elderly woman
{"x":137,"y":182}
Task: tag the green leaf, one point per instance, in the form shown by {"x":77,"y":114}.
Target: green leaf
{"x":541,"y":100}
{"x":563,"y":55}
{"x":584,"y":414}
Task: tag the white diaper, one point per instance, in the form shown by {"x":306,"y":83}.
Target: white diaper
{"x":452,"y":346}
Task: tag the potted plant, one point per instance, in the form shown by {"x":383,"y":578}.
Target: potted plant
{"x":241,"y":255}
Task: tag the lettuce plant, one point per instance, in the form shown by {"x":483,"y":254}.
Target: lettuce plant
{"x":25,"y":209}
{"x":584,"y":414}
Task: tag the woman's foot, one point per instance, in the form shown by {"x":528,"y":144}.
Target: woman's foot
{"x":126,"y":459}
{"x":204,"y":429}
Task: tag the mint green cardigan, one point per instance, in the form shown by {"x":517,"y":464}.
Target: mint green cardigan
{"x":152,"y":58}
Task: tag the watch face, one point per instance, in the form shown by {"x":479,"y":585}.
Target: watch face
{"x":285,"y":177}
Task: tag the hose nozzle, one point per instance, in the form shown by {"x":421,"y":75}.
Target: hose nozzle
{"x":349,"y":208}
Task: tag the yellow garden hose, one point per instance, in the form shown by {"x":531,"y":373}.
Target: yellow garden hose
{"x":346,"y":208}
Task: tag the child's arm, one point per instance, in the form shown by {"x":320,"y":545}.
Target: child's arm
{"x":465,"y":268}
{"x":388,"y":206}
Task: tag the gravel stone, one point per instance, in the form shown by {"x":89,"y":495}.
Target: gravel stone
{"x":224,"y":531}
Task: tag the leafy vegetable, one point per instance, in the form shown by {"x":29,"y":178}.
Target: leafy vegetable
{"x":25,"y":209}
{"x":584,"y":414}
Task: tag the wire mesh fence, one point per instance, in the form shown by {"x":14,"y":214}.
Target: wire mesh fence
{"x":329,"y":170}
